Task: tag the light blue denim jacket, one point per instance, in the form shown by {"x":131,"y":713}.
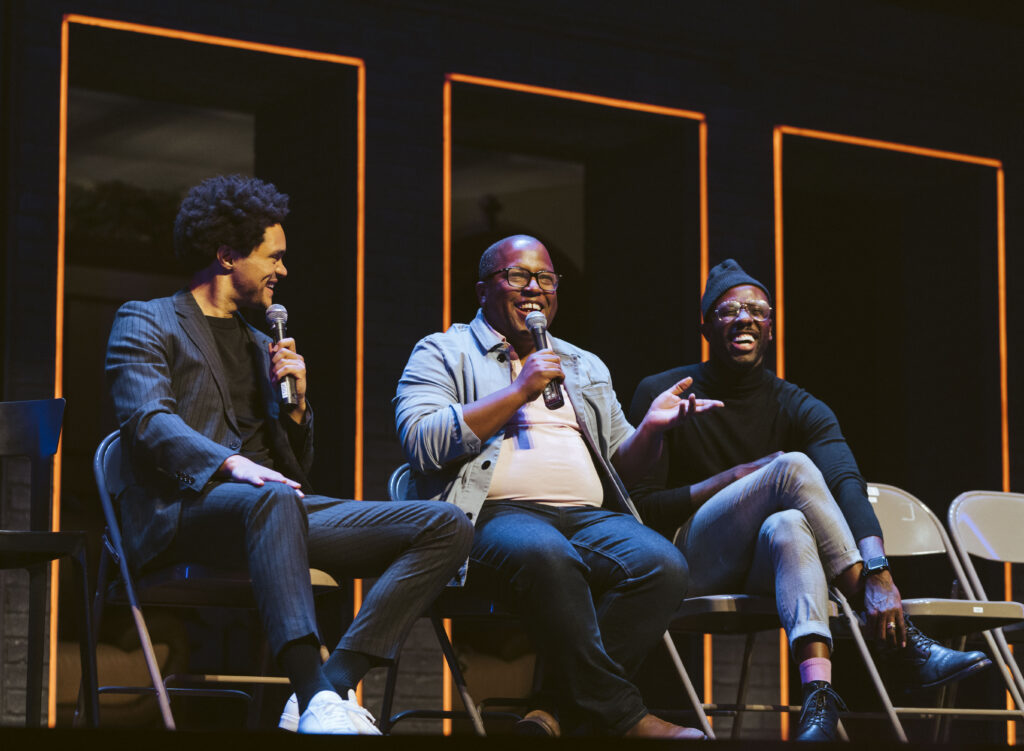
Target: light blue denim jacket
{"x":465,"y":363}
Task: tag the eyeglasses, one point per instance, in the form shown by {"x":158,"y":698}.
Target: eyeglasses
{"x":520,"y":278}
{"x":756,"y":309}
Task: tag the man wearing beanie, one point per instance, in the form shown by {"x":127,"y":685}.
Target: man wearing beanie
{"x":767,"y":497}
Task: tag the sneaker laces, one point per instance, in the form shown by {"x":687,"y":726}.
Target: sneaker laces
{"x":360,"y":710}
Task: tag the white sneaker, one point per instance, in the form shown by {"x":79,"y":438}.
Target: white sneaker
{"x":290,"y":715}
{"x":329,"y":713}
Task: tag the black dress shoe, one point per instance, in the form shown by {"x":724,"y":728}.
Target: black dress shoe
{"x":819,"y":718}
{"x":924,"y":663}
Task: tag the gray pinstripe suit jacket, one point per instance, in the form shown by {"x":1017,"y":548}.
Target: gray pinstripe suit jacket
{"x":177,"y":423}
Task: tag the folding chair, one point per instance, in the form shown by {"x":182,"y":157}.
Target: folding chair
{"x":911,"y":529}
{"x":451,"y":603}
{"x":32,"y":429}
{"x":990,"y":526}
{"x":184,"y":585}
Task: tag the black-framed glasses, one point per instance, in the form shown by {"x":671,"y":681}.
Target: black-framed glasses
{"x":729,"y":310}
{"x":520,"y":278}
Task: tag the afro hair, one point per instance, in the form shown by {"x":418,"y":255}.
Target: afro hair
{"x":232,"y":211}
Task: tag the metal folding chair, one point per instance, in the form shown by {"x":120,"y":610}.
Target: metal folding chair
{"x":451,"y":603}
{"x":32,"y":429}
{"x":180,"y":586}
{"x":911,"y":530}
{"x":990,"y":526}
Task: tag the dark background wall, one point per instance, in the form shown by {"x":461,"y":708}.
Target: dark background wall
{"x":944,"y":75}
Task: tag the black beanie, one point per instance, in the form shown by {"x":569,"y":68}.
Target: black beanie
{"x":725,"y":276}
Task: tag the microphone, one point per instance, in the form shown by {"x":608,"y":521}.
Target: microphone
{"x":277,"y":317}
{"x":537,"y":323}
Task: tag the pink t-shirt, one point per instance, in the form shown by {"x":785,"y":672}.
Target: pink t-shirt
{"x":543,"y":456}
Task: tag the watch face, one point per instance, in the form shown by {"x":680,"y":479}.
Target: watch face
{"x":879,"y":563}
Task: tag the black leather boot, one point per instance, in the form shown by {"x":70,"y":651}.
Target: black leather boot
{"x":819,"y":718}
{"x":924,"y":663}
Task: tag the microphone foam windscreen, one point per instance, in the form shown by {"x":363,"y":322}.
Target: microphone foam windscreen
{"x":277,"y":313}
{"x":536,"y":320}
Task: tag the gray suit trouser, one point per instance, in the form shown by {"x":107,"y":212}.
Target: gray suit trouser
{"x":414,"y":547}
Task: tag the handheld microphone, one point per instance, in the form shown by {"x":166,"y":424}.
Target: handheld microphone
{"x":537,"y":323}
{"x":277,"y":317}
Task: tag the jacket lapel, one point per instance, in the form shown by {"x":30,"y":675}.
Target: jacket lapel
{"x":190,"y":316}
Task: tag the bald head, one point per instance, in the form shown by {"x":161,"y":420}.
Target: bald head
{"x":492,"y":260}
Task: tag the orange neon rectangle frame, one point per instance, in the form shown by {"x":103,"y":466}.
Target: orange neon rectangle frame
{"x":1004,"y":394}
{"x":240,"y":44}
{"x":446,"y":231}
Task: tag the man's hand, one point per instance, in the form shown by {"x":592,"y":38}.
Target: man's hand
{"x":236,"y":468}
{"x":539,"y":369}
{"x":669,"y":408}
{"x":284,"y":361}
{"x":883,"y":606}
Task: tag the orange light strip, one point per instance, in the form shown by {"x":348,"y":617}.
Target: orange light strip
{"x":357,"y":470}
{"x":780,"y":329}
{"x":446,"y":232}
{"x":58,"y":369}
{"x":446,"y":208}
{"x":1004,"y":391}
{"x":889,"y":146}
{"x":190,"y":36}
{"x":577,"y":96}
{"x":360,"y":336}
{"x":780,"y":370}
{"x":702,"y":135}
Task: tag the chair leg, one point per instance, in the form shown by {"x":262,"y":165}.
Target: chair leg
{"x":741,"y":691}
{"x":457,"y":678}
{"x":37,"y":589}
{"x":869,"y":663}
{"x":1005,"y":671}
{"x":388,"y":700}
{"x":147,"y":647}
{"x":87,"y":642}
{"x":698,"y":706}
{"x":1004,"y":649}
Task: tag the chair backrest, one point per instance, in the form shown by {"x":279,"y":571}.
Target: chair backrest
{"x":911,"y":528}
{"x":989,"y":525}
{"x":908,"y":525}
{"x":398,"y":484}
{"x":32,"y":429}
{"x":106,"y":466}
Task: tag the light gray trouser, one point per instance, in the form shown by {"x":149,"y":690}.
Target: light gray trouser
{"x":776,"y":530}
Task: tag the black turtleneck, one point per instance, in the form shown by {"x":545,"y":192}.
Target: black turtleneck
{"x":762,"y":414}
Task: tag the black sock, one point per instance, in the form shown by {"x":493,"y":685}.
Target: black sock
{"x":345,"y":668}
{"x":300,"y":660}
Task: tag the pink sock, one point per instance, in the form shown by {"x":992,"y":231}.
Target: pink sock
{"x":816,"y":669}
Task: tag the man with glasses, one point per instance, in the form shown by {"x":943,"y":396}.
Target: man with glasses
{"x":752,"y":518}
{"x":594,"y":588}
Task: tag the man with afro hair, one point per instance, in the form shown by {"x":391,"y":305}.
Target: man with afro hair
{"x":215,"y":467}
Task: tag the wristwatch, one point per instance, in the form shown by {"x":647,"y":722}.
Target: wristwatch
{"x":875,"y":565}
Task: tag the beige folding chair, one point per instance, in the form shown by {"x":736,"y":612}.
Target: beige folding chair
{"x":733,"y":614}
{"x":990,"y":526}
{"x":911,"y":529}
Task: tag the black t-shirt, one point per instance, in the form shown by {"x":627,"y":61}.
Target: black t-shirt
{"x":241,"y":360}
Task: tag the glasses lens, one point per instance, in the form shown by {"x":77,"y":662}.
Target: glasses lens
{"x":547,"y":281}
{"x":728,"y":310}
{"x":518,"y":277}
{"x":759,"y":311}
